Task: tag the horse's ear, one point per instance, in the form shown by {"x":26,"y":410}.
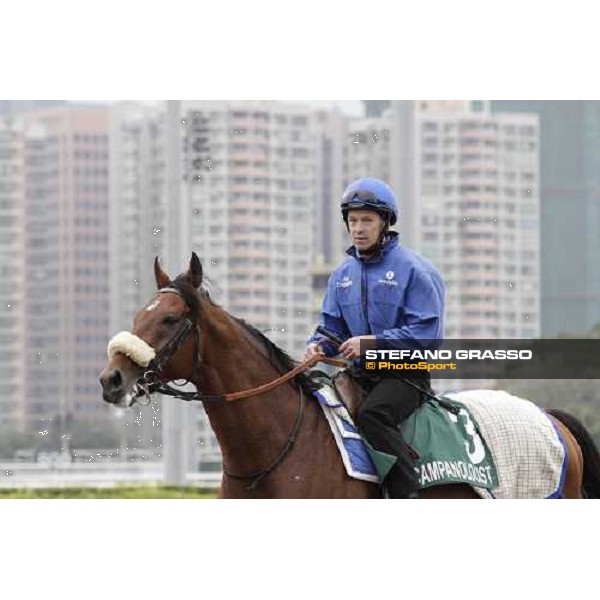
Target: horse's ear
{"x":194,"y":273}
{"x":162,"y":279}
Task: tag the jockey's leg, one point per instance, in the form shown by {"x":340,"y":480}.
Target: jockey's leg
{"x":389,"y":403}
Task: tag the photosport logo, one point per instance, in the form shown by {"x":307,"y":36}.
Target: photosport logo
{"x":484,"y":359}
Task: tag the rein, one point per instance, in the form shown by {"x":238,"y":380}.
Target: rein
{"x":150,"y":381}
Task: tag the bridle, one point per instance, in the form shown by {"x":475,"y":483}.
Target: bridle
{"x":150,"y":383}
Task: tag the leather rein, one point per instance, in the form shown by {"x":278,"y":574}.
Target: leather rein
{"x":150,"y":383}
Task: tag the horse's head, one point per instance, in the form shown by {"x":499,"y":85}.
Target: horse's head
{"x":164,"y":339}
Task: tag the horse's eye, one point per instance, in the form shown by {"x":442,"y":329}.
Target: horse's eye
{"x":170,"y":320}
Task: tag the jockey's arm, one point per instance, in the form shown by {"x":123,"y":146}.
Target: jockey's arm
{"x":332,"y":321}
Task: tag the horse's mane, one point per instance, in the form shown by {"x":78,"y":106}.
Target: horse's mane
{"x":280,"y":359}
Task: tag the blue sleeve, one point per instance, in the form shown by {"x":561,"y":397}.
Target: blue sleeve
{"x":423,"y":311}
{"x":332,"y":320}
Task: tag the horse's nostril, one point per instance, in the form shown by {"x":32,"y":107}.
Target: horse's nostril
{"x":108,"y":398}
{"x":115,"y":379}
{"x":112,"y":385}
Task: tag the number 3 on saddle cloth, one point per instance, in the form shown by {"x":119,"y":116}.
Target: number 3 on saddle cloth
{"x":450,"y":447}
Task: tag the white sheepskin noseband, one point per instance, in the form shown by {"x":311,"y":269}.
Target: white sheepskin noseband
{"x":132,"y":346}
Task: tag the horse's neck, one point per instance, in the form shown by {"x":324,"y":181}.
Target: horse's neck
{"x":253,"y":432}
{"x":248,"y":430}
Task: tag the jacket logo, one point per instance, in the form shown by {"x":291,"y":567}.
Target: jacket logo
{"x":389,"y":279}
{"x":344,"y":283}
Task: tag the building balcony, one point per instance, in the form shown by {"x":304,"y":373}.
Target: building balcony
{"x":248,"y":171}
{"x":249,"y":187}
{"x":249,"y":155}
{"x":248,"y":205}
{"x":478,"y":245}
{"x":476,"y":216}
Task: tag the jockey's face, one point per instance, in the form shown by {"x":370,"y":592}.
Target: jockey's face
{"x":365,"y":227}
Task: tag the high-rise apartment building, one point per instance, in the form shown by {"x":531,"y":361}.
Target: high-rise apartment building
{"x":12,"y":283}
{"x":65,"y":224}
{"x":369,"y":148}
{"x":569,"y":210}
{"x":252,"y":195}
{"x":330,"y":174}
{"x":8,"y":107}
{"x":138,"y":201}
{"x":469,"y":189}
{"x":247,"y":189}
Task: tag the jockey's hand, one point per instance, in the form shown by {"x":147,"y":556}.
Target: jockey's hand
{"x":350,"y":349}
{"x":311,"y":350}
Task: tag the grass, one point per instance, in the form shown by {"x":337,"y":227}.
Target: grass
{"x":118,"y":492}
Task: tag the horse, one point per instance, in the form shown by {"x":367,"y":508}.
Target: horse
{"x":275,"y":440}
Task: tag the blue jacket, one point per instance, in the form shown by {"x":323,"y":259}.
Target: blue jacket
{"x":399,"y":295}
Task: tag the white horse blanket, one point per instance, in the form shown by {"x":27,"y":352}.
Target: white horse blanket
{"x":529,"y":452}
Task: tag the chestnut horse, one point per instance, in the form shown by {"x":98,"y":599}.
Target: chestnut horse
{"x":276,"y":444}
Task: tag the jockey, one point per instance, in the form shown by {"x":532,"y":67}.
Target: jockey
{"x":383,"y":291}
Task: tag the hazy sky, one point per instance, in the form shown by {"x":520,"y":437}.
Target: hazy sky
{"x":352,"y":108}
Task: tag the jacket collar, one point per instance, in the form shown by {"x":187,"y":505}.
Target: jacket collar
{"x":391,"y":241}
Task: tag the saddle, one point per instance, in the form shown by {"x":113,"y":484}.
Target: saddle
{"x":349,"y":391}
{"x":353,"y":386}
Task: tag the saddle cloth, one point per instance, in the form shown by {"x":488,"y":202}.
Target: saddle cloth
{"x":351,"y":446}
{"x":528,"y":451}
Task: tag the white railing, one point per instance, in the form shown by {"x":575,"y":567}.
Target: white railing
{"x":93,"y":474}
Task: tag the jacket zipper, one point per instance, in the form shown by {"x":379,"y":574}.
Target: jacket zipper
{"x":364,"y":295}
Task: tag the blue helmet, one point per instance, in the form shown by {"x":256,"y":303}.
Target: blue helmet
{"x":370,"y":194}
